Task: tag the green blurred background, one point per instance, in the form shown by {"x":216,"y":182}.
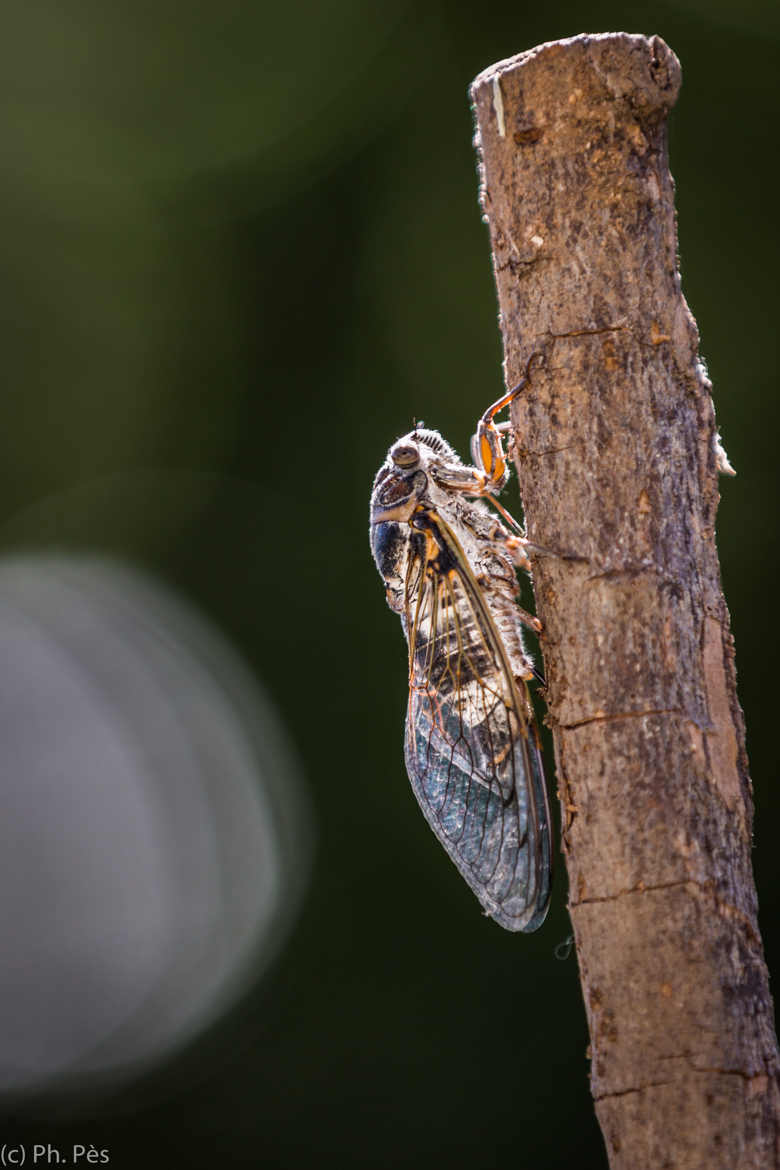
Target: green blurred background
{"x":241,"y":250}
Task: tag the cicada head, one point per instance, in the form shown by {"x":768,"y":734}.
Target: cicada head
{"x":403,"y":477}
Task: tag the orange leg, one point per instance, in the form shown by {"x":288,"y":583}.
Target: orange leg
{"x":486,"y":447}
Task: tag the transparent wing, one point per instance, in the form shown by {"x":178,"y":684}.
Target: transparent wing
{"x":472,"y":746}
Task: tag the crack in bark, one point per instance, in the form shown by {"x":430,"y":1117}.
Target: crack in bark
{"x":725,"y":909}
{"x":614,"y":715}
{"x":631,"y":1089}
{"x":515,"y":263}
{"x":726,"y":1072}
{"x":525,"y":453}
{"x":639,"y":569}
{"x":590,"y":332}
{"x":642,"y":888}
{"x":630,"y":572}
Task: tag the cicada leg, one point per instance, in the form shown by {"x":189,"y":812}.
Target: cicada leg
{"x":490,"y":471}
{"x":487,"y":448}
{"x":529,"y":620}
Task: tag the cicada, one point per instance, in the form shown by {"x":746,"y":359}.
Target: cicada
{"x":448,"y":552}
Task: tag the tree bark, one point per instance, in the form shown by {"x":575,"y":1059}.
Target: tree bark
{"x":618,"y":459}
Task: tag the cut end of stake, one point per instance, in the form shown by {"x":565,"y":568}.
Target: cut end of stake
{"x":653,"y":67}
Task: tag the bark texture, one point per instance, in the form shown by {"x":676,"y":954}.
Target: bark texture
{"x":617,"y":458}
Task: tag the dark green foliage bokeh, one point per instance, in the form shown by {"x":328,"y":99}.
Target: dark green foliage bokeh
{"x":241,"y":251}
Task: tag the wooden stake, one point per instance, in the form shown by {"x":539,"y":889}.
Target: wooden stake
{"x":618,"y":460}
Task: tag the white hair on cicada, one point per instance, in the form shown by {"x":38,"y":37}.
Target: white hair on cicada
{"x":472,"y":744}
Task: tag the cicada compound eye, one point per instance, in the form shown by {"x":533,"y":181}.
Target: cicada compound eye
{"x":405,"y":456}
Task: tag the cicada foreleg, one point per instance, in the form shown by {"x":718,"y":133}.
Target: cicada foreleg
{"x":487,"y":448}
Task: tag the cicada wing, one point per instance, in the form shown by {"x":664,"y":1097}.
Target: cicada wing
{"x":472,"y":746}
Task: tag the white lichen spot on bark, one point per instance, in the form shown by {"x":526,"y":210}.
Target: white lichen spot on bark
{"x":498,"y":106}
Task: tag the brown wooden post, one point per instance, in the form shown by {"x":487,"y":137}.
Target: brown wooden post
{"x":618,"y":461}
